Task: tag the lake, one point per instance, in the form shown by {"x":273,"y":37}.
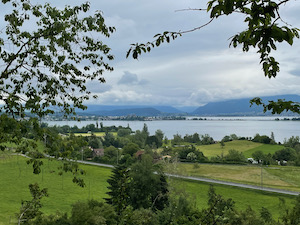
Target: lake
{"x":216,"y":127}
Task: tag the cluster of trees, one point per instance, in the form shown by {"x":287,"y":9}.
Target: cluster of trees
{"x":92,"y":128}
{"x":194,"y":138}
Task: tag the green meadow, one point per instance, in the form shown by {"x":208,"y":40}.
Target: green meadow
{"x":16,"y":175}
{"x":273,"y":176}
{"x":246,"y":147}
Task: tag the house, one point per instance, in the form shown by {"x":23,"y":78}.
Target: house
{"x":98,"y":152}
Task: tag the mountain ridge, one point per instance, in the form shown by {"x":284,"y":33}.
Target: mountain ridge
{"x":233,"y":107}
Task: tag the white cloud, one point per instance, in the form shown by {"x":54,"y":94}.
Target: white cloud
{"x":194,"y":69}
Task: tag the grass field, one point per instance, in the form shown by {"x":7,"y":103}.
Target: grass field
{"x":247,"y":147}
{"x":98,"y":134}
{"x":273,"y":176}
{"x":16,"y":175}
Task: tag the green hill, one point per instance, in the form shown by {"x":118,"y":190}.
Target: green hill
{"x":247,"y":147}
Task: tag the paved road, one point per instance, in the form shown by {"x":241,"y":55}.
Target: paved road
{"x":274,"y":190}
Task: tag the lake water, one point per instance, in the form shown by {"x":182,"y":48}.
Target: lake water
{"x":216,"y":127}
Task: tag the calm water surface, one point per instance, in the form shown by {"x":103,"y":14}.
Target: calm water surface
{"x":216,"y":127}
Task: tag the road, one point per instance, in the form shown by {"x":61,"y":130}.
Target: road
{"x":207,"y":180}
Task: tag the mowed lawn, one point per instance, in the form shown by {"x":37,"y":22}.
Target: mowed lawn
{"x":273,"y":176}
{"x":16,"y":175}
{"x":247,"y":147}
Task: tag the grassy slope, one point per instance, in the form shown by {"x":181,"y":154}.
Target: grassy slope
{"x":242,"y":197}
{"x":275,"y":177}
{"x":266,"y":149}
{"x":16,"y":175}
{"x":247,"y":147}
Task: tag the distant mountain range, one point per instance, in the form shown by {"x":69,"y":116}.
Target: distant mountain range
{"x":236,"y":107}
{"x":125,"y":110}
{"x":239,"y":107}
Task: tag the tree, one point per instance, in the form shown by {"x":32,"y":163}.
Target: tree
{"x":262,"y":139}
{"x":147,"y":189}
{"x":286,"y":154}
{"x":222,"y":143}
{"x":119,"y":188}
{"x":160,"y":136}
{"x":130,"y":148}
{"x":265,"y":29}
{"x":124,"y":132}
{"x":218,"y":208}
{"x":94,"y":141}
{"x":292,"y":216}
{"x":42,"y":63}
{"x":206,"y":140}
{"x":235,"y":156}
{"x":30,"y":209}
{"x":93,"y":213}
{"x":258,"y":156}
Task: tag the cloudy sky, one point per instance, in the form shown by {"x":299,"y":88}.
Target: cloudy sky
{"x":198,"y":67}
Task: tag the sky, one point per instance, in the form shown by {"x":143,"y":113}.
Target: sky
{"x":195,"y":69}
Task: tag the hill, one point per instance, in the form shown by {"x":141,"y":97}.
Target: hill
{"x":239,"y":107}
{"x":235,"y":107}
{"x":125,"y":110}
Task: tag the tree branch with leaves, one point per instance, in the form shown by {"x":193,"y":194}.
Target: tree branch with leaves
{"x":265,"y":30}
{"x":48,"y":55}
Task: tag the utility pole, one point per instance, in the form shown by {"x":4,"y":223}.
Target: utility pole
{"x":261,"y":175}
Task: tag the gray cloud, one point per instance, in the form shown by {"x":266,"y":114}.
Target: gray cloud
{"x":131,"y":79}
{"x":295,"y":72}
{"x":194,"y":69}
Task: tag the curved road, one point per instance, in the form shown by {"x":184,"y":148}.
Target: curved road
{"x":274,"y":190}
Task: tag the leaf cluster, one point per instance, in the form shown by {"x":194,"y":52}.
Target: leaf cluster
{"x":49,"y":55}
{"x":265,"y":29}
{"x":277,"y":107}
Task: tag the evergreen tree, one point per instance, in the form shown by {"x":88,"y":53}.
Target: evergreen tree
{"x":119,"y":188}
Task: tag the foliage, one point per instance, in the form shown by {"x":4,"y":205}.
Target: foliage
{"x":277,"y":107}
{"x":265,"y":29}
{"x":194,"y":138}
{"x":219,"y":210}
{"x":291,"y":217}
{"x":119,"y":188}
{"x":292,"y":142}
{"x":190,"y":153}
{"x":130,"y":148}
{"x":235,"y":156}
{"x":147,"y":189}
{"x":139,"y":187}
{"x":262,"y":139}
{"x":206,"y":140}
{"x":93,"y":213}
{"x":94,"y":141}
{"x":177,"y":139}
{"x":231,"y":137}
{"x":124,"y":132}
{"x":286,"y":154}
{"x":42,"y":63}
{"x":30,"y":209}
